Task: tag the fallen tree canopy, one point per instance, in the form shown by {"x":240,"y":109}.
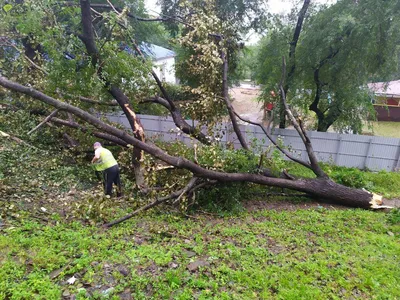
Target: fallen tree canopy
{"x":321,"y":187}
{"x":212,"y":68}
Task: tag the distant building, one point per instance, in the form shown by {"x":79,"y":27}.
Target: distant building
{"x":164,"y":61}
{"x":387,"y":102}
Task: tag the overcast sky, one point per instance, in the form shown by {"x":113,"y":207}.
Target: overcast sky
{"x":275,"y":6}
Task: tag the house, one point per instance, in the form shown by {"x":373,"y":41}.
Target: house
{"x":387,"y":100}
{"x":164,"y":61}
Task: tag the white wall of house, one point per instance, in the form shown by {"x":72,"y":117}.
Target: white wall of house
{"x":165,"y":69}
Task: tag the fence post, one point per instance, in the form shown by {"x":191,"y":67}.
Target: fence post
{"x":339,"y":147}
{"x":255,"y":134}
{"x":229,"y":138}
{"x":368,"y":154}
{"x":159,"y":125}
{"x":396,"y":163}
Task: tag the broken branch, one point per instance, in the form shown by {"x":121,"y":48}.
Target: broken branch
{"x":302,"y":133}
{"x":47,"y":119}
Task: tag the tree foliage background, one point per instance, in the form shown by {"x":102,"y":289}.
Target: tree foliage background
{"x":341,"y":49}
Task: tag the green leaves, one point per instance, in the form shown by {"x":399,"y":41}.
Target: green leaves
{"x":341,"y":48}
{"x":7,"y":7}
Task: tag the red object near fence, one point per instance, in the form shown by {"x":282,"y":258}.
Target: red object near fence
{"x":270,"y":106}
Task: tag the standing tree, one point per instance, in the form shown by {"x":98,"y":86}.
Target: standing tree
{"x":239,"y":17}
{"x":341,"y":49}
{"x":102,"y":67}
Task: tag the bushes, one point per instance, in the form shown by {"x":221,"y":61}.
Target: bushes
{"x":223,"y":197}
{"x":382,"y":182}
{"x":350,"y":177}
{"x":385,"y":183}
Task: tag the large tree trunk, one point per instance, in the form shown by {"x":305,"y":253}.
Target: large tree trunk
{"x":326,"y":189}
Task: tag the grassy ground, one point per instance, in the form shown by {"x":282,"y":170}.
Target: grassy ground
{"x":388,"y":129}
{"x":52,"y":245}
{"x":301,"y":254}
{"x":274,"y":249}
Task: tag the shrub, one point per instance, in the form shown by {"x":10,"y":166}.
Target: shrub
{"x":349,"y":177}
{"x":222,"y":197}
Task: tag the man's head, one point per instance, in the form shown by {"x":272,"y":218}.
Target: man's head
{"x":96,"y":145}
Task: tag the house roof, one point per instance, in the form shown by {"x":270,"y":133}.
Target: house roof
{"x":387,"y":89}
{"x":156,"y":52}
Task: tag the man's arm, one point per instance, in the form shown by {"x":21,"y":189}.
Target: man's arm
{"x":96,"y":156}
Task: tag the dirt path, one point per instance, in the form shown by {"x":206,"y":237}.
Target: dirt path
{"x":245,"y":102}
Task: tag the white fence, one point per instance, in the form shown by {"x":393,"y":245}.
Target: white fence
{"x":350,"y":150}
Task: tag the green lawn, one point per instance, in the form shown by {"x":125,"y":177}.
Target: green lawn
{"x":49,"y":204}
{"x":302,"y":254}
{"x":388,"y":129}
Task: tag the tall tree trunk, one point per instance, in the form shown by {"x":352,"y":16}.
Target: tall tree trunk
{"x":292,"y":59}
{"x":327,"y":120}
{"x":326,"y":189}
{"x":324,"y":120}
{"x":123,"y":101}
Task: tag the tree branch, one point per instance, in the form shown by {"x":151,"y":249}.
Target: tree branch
{"x":190,"y":184}
{"x":285,"y":152}
{"x":101,"y":135}
{"x":175,"y":195}
{"x":47,"y":119}
{"x":91,"y":101}
{"x":225,"y":94}
{"x":157,"y":100}
{"x":302,"y":133}
{"x":167,"y":102}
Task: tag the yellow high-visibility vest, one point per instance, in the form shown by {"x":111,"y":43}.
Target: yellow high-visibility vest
{"x":107,"y":160}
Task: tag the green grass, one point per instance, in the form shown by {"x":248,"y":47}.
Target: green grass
{"x":388,"y":129}
{"x":300,"y":254}
{"x":305,"y":254}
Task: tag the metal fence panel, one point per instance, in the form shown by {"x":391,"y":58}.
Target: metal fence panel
{"x":350,"y":150}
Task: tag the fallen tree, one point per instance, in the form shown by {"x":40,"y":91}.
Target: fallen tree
{"x":320,"y":187}
{"x":211,"y":65}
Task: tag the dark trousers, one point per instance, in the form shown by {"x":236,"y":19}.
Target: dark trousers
{"x":111,"y":175}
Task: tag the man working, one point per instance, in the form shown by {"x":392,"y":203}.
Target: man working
{"x":107,"y":164}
